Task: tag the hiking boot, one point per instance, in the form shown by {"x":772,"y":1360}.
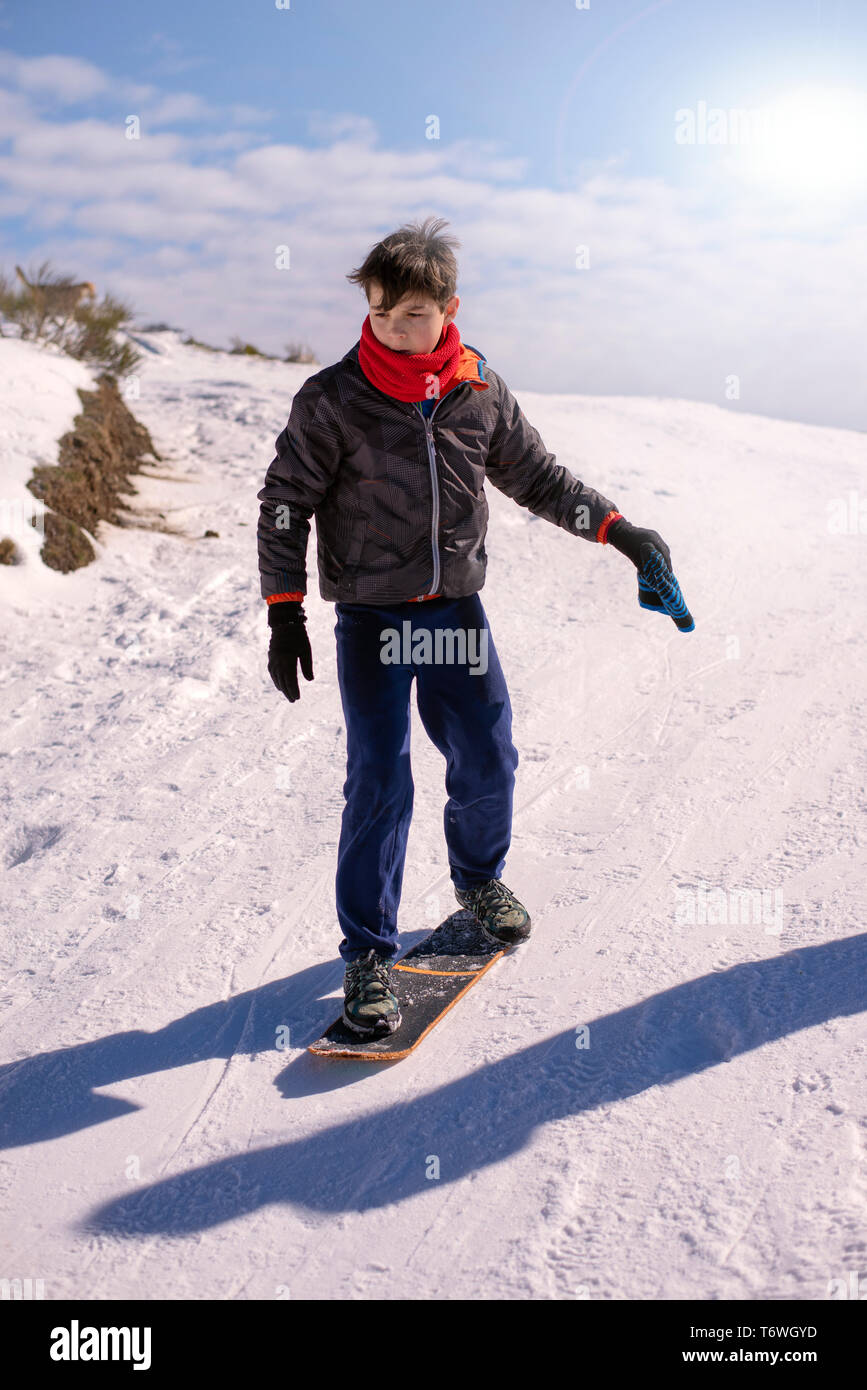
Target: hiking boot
{"x":499,"y":914}
{"x":369,"y":1007}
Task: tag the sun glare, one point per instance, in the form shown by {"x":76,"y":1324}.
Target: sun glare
{"x":811,"y":141}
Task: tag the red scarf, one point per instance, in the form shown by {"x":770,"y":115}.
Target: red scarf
{"x":410,"y":376}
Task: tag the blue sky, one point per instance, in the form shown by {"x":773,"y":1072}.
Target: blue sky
{"x":703,"y":264}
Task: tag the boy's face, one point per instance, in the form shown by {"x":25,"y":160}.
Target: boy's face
{"x":415,"y":324}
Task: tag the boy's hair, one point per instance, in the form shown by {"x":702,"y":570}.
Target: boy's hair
{"x":415,"y":259}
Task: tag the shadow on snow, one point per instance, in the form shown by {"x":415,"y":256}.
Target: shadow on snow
{"x":470,"y":1123}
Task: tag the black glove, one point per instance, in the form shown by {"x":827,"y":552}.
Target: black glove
{"x":289,"y":644}
{"x":629,"y":539}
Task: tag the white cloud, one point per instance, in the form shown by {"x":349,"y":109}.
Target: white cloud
{"x":331,"y":125}
{"x":62,"y":78}
{"x":483,"y":159}
{"x":139,"y":92}
{"x":171,"y":58}
{"x":685,"y":287}
{"x":66,"y":80}
{"x":178,"y":106}
{"x":16,"y":115}
{"x":241,"y":114}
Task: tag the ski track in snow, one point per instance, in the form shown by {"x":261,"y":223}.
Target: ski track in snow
{"x":168,"y":904}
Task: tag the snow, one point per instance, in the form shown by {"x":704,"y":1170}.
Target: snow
{"x":168,"y":903}
{"x":38,"y":400}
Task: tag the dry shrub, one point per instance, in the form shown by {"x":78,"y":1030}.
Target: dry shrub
{"x":95,"y":460}
{"x":52,"y":309}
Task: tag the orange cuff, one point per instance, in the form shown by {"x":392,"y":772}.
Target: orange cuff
{"x":602,"y":533}
{"x":280,"y":598}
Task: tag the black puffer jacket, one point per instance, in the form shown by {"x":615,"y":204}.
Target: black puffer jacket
{"x":399,"y":499}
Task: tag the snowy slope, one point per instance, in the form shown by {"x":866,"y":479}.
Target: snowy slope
{"x":167,"y":902}
{"x":38,"y":399}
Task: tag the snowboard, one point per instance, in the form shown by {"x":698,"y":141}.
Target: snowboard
{"x":427,"y":982}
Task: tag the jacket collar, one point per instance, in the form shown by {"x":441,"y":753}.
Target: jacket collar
{"x":469,"y":369}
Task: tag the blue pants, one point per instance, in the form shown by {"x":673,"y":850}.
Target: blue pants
{"x":466,"y":713}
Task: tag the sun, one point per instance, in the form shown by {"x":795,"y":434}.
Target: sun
{"x":811,"y":141}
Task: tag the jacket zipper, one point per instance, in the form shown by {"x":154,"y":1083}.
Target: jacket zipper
{"x":427,"y":421}
{"x":435,"y":489}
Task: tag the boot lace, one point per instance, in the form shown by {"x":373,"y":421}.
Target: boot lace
{"x":370,"y":974}
{"x":494,"y":894}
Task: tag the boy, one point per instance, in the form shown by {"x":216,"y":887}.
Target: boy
{"x":390,"y":448}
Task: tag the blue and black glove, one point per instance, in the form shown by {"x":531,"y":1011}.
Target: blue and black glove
{"x":658,"y":590}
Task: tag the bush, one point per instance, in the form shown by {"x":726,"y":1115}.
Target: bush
{"x":299,"y":352}
{"x":65,"y":547}
{"x":239,"y":346}
{"x":57,"y":309}
{"x":96,"y":460}
{"x":196,"y":342}
{"x":294,"y":352}
{"x":93,"y":337}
